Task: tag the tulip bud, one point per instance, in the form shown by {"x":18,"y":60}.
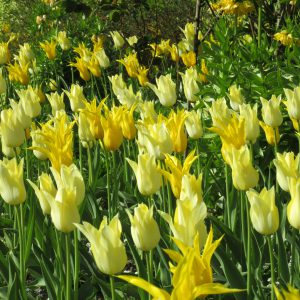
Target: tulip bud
{"x":144,"y":229}
{"x":76,"y":97}
{"x":293,"y":206}
{"x":106,"y":246}
{"x":118,"y":39}
{"x":193,"y":124}
{"x":190,"y":81}
{"x":30,"y":102}
{"x":293,"y":102}
{"x":102,"y":58}
{"x":235,"y":96}
{"x":148,"y":177}
{"x":12,"y":188}
{"x":165,"y":90}
{"x":63,"y":40}
{"x":271,"y":111}
{"x":263,"y":211}
{"x":56,"y":102}
{"x":38,"y":140}
{"x":220,"y":113}
{"x":287,"y":165}
{"x":191,"y":187}
{"x":84,"y":130}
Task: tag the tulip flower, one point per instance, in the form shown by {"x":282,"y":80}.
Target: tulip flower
{"x":56,"y":102}
{"x":235,"y":96}
{"x":18,"y":73}
{"x":49,"y":48}
{"x":293,"y":102}
{"x":189,"y":59}
{"x":251,"y":121}
{"x":84,"y":131}
{"x":118,"y":39}
{"x":106,"y":246}
{"x":272,"y":134}
{"x":26,"y":53}
{"x":191,"y":187}
{"x":12,"y":132}
{"x":193,"y":124}
{"x":289,"y":294}
{"x":38,"y":141}
{"x":271,"y":111}
{"x":12,"y":188}
{"x":127,"y":123}
{"x":147,"y":112}
{"x":102,"y":58}
{"x":263,"y":211}
{"x":132,"y":40}
{"x":76,"y":97}
{"x":189,"y":33}
{"x":190,"y":81}
{"x":146,"y":171}
{"x":287,"y":166}
{"x":46,"y":186}
{"x":30,"y":102}
{"x":63,"y":40}
{"x":220,"y":113}
{"x":93,"y":66}
{"x":165,"y":90}
{"x":144,"y":229}
{"x":293,"y":207}
{"x":244,"y":176}
{"x":82,"y":68}
{"x":18,"y":110}
{"x":199,"y":282}
{"x":4,"y":53}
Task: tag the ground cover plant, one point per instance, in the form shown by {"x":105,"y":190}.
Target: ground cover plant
{"x":149,"y":149}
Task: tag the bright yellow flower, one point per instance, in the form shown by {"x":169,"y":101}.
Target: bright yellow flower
{"x":4,"y":53}
{"x":293,"y":207}
{"x":84,"y":52}
{"x":204,"y":71}
{"x":270,"y":133}
{"x":235,"y":96}
{"x":174,"y":53}
{"x":271,"y":111}
{"x":58,"y":141}
{"x":131,"y":64}
{"x":290,"y":294}
{"x":198,"y":283}
{"x":189,"y":59}
{"x":76,"y":97}
{"x":18,"y":73}
{"x":142,"y":73}
{"x":162,"y":48}
{"x":49,"y":48}
{"x":127,"y":123}
{"x":285,"y":38}
{"x":220,"y":113}
{"x":93,"y":66}
{"x":82,"y":68}
{"x":63,"y":40}
{"x":177,"y":171}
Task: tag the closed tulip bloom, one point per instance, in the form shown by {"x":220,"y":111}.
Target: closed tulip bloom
{"x":293,"y":207}
{"x":76,"y":97}
{"x":293,"y":102}
{"x":235,"y":96}
{"x":102,"y":58}
{"x":271,"y":111}
{"x":49,"y":48}
{"x":220,"y":113}
{"x":165,"y":90}
{"x":144,"y":229}
{"x":251,"y":122}
{"x":128,"y":124}
{"x":190,"y":81}
{"x":63,"y":40}
{"x":106,"y":245}
{"x":287,"y":166}
{"x":263,"y":211}
{"x":12,"y":132}
{"x":46,"y":186}
{"x":19,"y":112}
{"x":191,"y":187}
{"x":189,"y":59}
{"x":4,"y":53}
{"x":30,"y":102}
{"x":38,"y":141}
{"x":12,"y":188}
{"x":56,"y":102}
{"x":8,"y":151}
{"x":117,"y":83}
{"x":188,"y":221}
{"x":193,"y":124}
{"x":272,"y":134}
{"x":148,"y":177}
{"x":84,"y":131}
{"x":82,"y":68}
{"x":118,"y":39}
{"x":26,"y":52}
{"x":189,"y":32}
{"x":244,"y":176}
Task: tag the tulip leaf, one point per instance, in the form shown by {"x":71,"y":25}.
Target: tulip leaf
{"x":29,"y":231}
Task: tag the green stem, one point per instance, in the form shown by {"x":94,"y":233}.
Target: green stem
{"x":149,"y":259}
{"x":90,"y":166}
{"x":108,"y":184}
{"x":227,"y":208}
{"x":272,"y":266}
{"x":80,"y":157}
{"x":249,"y":271}
{"x":112,"y":287}
{"x":293,"y":249}
{"x":76,"y":264}
{"x":259,"y":27}
{"x":68,"y":268}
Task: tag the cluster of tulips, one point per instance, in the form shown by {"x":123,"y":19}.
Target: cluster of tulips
{"x":160,"y":143}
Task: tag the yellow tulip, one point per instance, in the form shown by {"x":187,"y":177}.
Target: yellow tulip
{"x":132,"y":40}
{"x":189,"y":59}
{"x":102,"y":58}
{"x":38,"y":141}
{"x":271,"y":111}
{"x":144,"y":229}
{"x":287,"y":165}
{"x":204,"y":71}
{"x":128,"y":124}
{"x":12,"y":188}
{"x":293,"y":207}
{"x":76,"y":97}
{"x":4,"y":53}
{"x":84,"y":131}
{"x":271,"y":133}
{"x":30,"y":102}
{"x":46,"y":185}
{"x":263,"y":211}
{"x":165,"y":90}
{"x":199,"y":282}
{"x":117,"y":84}
{"x":293,"y":102}
{"x":191,"y":187}
{"x":131,"y":64}
{"x":82,"y":68}
{"x":235,"y":96}
{"x":220,"y":113}
{"x":189,"y":32}
{"x":193,"y":124}
{"x":244,"y":176}
{"x":23,"y":119}
{"x":289,"y":294}
{"x":63,"y":40}
{"x":49,"y":48}
{"x":190,"y":80}
{"x":147,"y":174}
{"x":93,"y":66}
{"x":18,"y":73}
{"x":147,"y":112}
{"x":56,"y":102}
{"x":118,"y":39}
{"x":106,"y":246}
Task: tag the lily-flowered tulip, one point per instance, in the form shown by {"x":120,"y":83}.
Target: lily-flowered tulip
{"x":12,"y":188}
{"x":84,"y":131}
{"x":191,"y":187}
{"x":263,"y":211}
{"x":56,"y":102}
{"x":102,"y":58}
{"x":220,"y":113}
{"x":287,"y":166}
{"x":293,"y":102}
{"x":193,"y":124}
{"x":82,"y":68}
{"x":271,"y":111}
{"x":38,"y":141}
{"x":4,"y":53}
{"x":18,"y":73}
{"x":190,"y":80}
{"x":293,"y":207}
{"x":49,"y":48}
{"x":46,"y":186}
{"x":127,"y":123}
{"x":188,"y":221}
{"x":251,"y":122}
{"x":118,"y":39}
{"x":244,"y":176}
{"x":144,"y":229}
{"x":106,"y":246}
{"x":147,"y":174}
{"x":30,"y":102}
{"x":289,"y":294}
{"x":19,"y":112}
{"x":165,"y":90}
{"x":272,"y":134}
{"x":63,"y":40}
{"x":76,"y":97}
{"x":235,"y":96}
